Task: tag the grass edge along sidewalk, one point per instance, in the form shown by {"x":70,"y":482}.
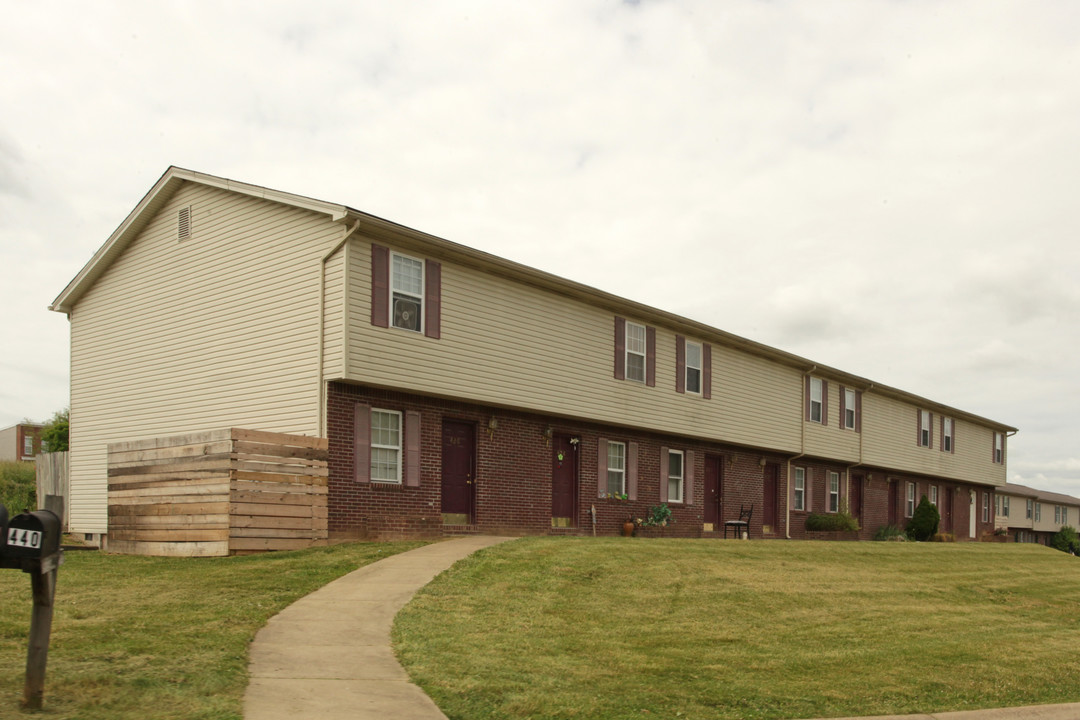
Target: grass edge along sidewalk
{"x":137,"y":637}
{"x":626,"y":628}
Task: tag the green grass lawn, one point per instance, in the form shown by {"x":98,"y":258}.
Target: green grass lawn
{"x":634,"y":628}
{"x":137,"y":637}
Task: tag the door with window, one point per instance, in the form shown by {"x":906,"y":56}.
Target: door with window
{"x":458,"y":472}
{"x":714,"y":468}
{"x":770,"y":509}
{"x":564,"y":481}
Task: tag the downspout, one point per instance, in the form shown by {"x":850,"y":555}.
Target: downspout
{"x":348,"y":233}
{"x":802,"y":452}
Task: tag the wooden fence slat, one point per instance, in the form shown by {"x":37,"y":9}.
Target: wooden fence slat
{"x":280,"y":438}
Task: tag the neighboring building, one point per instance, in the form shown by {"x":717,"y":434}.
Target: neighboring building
{"x":461,"y":392}
{"x":20,"y":442}
{"x":1031,"y":515}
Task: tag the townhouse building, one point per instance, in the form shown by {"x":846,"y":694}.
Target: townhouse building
{"x":1030,"y":515}
{"x":462,"y":392}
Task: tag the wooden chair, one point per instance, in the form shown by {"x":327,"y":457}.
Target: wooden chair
{"x":743,"y":523}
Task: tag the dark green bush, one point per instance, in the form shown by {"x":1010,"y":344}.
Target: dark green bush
{"x":924,"y":522}
{"x":1066,"y":540}
{"x":831,"y":522}
{"x":54,"y":436}
{"x":18,"y":486}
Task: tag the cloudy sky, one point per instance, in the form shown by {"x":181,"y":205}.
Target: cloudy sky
{"x":885,"y":187}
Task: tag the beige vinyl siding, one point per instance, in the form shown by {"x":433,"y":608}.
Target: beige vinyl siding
{"x":220,"y":330}
{"x":334,"y":317}
{"x":9,"y":438}
{"x":830,"y":441}
{"x":511,"y":344}
{"x":889,"y":427}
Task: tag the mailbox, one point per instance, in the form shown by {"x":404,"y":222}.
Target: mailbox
{"x":3,"y":529}
{"x":32,"y":535}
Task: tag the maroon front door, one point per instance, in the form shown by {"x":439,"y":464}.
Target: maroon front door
{"x":770,"y":509}
{"x":947,"y":519}
{"x":855,"y":497}
{"x":563,"y":480}
{"x":713,"y":486}
{"x":458,"y":469}
{"x":894,"y":488}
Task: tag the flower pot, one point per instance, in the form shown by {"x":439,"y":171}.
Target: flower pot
{"x":627,"y":528}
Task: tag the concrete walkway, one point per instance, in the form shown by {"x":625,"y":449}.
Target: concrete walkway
{"x":328,"y":655}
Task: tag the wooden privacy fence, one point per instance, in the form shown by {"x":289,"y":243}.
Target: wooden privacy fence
{"x":223,"y":492}
{"x":52,"y":479}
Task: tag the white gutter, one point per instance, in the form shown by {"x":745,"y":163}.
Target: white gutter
{"x":348,"y":233}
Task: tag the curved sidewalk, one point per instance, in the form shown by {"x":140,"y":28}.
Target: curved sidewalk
{"x":328,"y":655}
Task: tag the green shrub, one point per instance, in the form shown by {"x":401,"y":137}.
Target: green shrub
{"x":659,"y":516}
{"x":18,"y":486}
{"x":890,"y":532}
{"x":1066,"y":540}
{"x":54,"y":436}
{"x":924,"y":522}
{"x":831,"y":522}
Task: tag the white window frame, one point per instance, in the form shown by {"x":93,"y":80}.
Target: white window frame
{"x":1028,"y":512}
{"x":933,"y":495}
{"x":999,"y":448}
{"x":691,"y":369}
{"x":631,"y":331}
{"x":849,"y":408}
{"x":28,"y":445}
{"x":924,"y":428}
{"x":834,"y":492}
{"x":618,"y":468}
{"x":406,"y":294}
{"x":1038,"y":512}
{"x":909,"y":502}
{"x":799,"y":499}
{"x":947,"y":429}
{"x":986,"y":507}
{"x":1005,"y":505}
{"x":383,"y":447}
{"x":1064,"y":514}
{"x":678,"y":479}
{"x":818,"y":404}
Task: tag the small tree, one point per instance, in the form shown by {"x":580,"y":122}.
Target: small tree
{"x":1066,"y":540}
{"x":54,"y":435}
{"x":924,"y":522}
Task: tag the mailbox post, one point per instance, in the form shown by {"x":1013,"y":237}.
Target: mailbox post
{"x":31,"y":543}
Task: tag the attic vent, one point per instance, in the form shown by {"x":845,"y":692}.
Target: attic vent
{"x":183,"y":224}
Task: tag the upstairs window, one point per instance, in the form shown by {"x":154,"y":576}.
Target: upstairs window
{"x":28,"y":445}
{"x":1057,"y":513}
{"x":817,"y":392}
{"x":407,"y":293}
{"x":1027,"y":515}
{"x":1005,"y":505}
{"x":999,"y":448}
{"x":946,"y":435}
{"x":926,"y":428}
{"x":1064,"y":516}
{"x":635,"y":352}
{"x":1038,"y":512}
{"x":693,"y":368}
{"x":849,"y":408}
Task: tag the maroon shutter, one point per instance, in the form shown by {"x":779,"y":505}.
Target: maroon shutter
{"x":706,"y":371}
{"x":942,"y":445}
{"x":663,"y":474}
{"x":412,"y":449}
{"x":380,"y":286}
{"x":680,"y":364}
{"x":918,"y":427}
{"x":843,"y":408}
{"x":952,"y":449}
{"x":858,"y":412}
{"x":930,"y":431}
{"x":631,"y":469}
{"x":433,"y":299}
{"x":650,"y":356}
{"x":620,"y":348}
{"x":824,"y":402}
{"x":601,"y":467}
{"x":362,"y":442}
{"x":688,"y":478}
{"x":807,"y":393}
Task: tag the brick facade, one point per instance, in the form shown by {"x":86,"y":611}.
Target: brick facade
{"x":514,"y":466}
